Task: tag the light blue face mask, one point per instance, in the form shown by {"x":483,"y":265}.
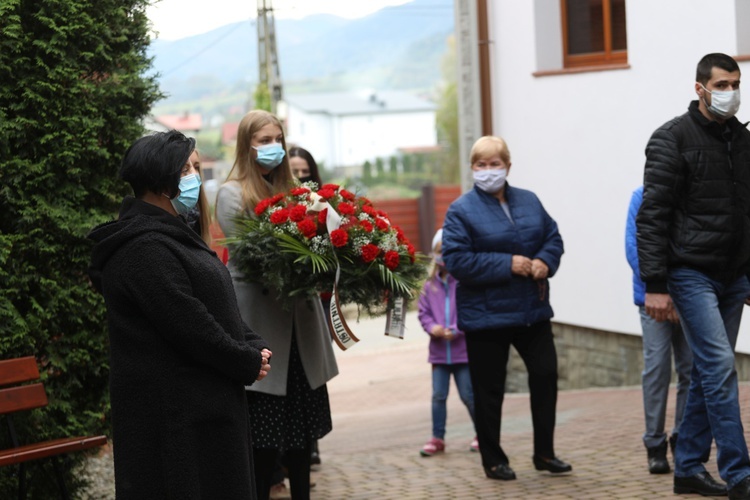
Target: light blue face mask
{"x":270,"y":155}
{"x":190,"y":188}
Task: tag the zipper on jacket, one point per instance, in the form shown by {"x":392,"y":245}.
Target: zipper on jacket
{"x":447,"y":287}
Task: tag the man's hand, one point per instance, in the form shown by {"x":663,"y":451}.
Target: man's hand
{"x":659,"y":306}
{"x":539,"y":269}
{"x":521,"y":265}
{"x":265,"y":364}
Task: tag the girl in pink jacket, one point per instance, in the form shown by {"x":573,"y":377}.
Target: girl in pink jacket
{"x":437,"y":314}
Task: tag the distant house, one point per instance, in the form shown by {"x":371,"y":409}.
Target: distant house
{"x":187,"y":123}
{"x":347,"y":129}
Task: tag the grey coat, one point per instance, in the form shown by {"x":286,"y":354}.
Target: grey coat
{"x":264,"y":314}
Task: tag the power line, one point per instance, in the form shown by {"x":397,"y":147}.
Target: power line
{"x":207,"y":47}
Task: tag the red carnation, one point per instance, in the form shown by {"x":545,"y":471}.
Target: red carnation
{"x":307,"y":227}
{"x":262,"y":206}
{"x":345,"y":208}
{"x":400,"y":236}
{"x":346,"y":195}
{"x":299,"y":191}
{"x":369,"y":210}
{"x":410,"y":248}
{"x":276,"y":198}
{"x":332,"y":187}
{"x":381,"y":224}
{"x":366,"y":225}
{"x":339,"y":238}
{"x":369,"y":252}
{"x":391,"y":259}
{"x":326,"y":193}
{"x":279,"y":216}
{"x":297,"y":213}
{"x":322,"y":216}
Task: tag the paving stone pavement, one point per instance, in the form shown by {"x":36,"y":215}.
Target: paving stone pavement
{"x":380,"y":403}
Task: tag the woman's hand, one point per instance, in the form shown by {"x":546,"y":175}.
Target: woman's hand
{"x":265,"y":364}
{"x":539,"y":269}
{"x":521,"y":265}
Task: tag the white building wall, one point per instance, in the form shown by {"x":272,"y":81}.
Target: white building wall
{"x":366,"y":137}
{"x":578,"y":139}
{"x":312,"y":131}
{"x":348,"y":140}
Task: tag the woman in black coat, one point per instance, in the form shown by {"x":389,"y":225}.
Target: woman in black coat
{"x":180,"y":355}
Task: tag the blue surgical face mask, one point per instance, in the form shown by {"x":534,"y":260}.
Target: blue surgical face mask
{"x":270,"y":155}
{"x":190,"y":188}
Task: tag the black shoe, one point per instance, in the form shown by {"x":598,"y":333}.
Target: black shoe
{"x":314,"y":453}
{"x":657,"y":459}
{"x":502,"y":472}
{"x":741,"y":490}
{"x":554,"y":465}
{"x":701,"y":483}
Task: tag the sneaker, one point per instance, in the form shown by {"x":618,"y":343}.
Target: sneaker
{"x":432,"y":446}
{"x":474,"y":446}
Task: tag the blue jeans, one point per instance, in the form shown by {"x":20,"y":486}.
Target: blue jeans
{"x":710,"y":312}
{"x":441,"y":377}
{"x":661,"y":339}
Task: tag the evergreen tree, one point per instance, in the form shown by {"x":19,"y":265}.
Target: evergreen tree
{"x":262,"y":97}
{"x":367,"y":173}
{"x":73,"y":94}
{"x":380,"y":169}
{"x":393,"y":167}
{"x":446,"y":116}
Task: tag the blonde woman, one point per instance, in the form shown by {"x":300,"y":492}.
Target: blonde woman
{"x":290,"y":409}
{"x":199,"y":218}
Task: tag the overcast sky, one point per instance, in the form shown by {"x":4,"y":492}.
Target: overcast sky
{"x":175,"y":19}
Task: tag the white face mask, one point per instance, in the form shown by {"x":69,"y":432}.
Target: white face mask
{"x":490,"y":180}
{"x":724,"y":103}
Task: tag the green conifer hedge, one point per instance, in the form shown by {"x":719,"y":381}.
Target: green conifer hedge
{"x":74,"y":89}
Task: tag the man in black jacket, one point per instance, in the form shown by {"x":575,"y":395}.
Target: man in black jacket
{"x":694,"y":252}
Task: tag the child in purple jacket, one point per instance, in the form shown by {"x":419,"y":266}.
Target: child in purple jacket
{"x":437,"y":314}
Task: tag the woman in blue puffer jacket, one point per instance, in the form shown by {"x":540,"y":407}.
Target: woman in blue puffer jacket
{"x":502,"y":246}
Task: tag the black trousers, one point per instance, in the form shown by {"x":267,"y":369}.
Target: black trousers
{"x":488,"y":360}
{"x":297,"y":462}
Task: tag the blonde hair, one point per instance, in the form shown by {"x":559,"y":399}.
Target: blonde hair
{"x":489,"y":146}
{"x":245,"y":169}
{"x":434,"y":268}
{"x":203,"y":207}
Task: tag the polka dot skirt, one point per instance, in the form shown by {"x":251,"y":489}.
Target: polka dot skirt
{"x":294,"y":420}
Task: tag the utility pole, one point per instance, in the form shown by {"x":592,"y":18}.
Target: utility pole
{"x":268,"y":58}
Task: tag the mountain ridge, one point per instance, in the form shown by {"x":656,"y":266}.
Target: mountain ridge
{"x":398,"y":47}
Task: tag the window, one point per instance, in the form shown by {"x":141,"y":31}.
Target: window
{"x":594,"y":33}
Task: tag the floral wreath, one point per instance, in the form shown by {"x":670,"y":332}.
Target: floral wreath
{"x":309,"y":242}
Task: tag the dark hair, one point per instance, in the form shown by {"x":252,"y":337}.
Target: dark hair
{"x":711,"y":61}
{"x":298,"y":152}
{"x":154,"y":162}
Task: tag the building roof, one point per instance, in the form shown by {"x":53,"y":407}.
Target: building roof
{"x":184,"y":122}
{"x":229,"y":132}
{"x":351,"y":103}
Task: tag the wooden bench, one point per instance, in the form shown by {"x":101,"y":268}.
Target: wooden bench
{"x":27,"y":397}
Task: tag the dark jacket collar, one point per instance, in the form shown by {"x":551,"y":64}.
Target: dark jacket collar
{"x":712,"y":126}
